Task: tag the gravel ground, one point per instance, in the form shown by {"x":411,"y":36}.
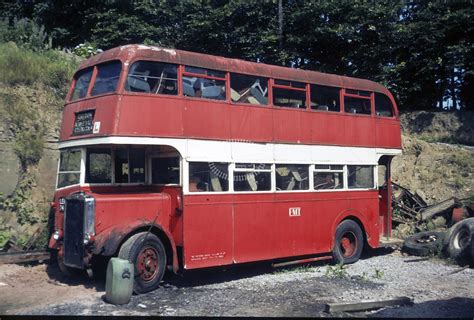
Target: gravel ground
{"x":259,"y":290}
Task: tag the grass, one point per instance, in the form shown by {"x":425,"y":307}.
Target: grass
{"x":337,"y":271}
{"x":21,"y":66}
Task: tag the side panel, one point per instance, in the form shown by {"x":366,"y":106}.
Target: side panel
{"x":206,"y":118}
{"x":251,"y":123}
{"x":388,"y":133}
{"x":291,"y":125}
{"x":326,"y":128}
{"x":150,"y":116}
{"x":359,"y":130}
{"x":256,"y":227}
{"x":207,"y":230}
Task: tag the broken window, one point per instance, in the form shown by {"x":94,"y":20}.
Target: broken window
{"x":325,"y":98}
{"x":360,"y":177}
{"x":204,"y":83}
{"x":383,"y":105}
{"x":248,"y":89}
{"x":153,"y":77}
{"x":69,"y":167}
{"x":328,"y":177}
{"x":208,"y":177}
{"x":81,"y":84}
{"x":252,"y":177}
{"x":107,"y":78}
{"x":165,"y":170}
{"x":292,"y":177}
{"x":290,"y":94}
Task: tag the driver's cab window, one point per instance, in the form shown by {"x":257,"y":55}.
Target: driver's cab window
{"x":165,"y":170}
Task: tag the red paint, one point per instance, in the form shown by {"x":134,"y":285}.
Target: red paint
{"x":214,"y":229}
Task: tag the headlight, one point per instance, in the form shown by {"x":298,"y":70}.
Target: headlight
{"x":89,"y":219}
{"x":57,"y":235}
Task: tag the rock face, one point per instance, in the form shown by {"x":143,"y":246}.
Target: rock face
{"x":436,"y":171}
{"x":451,"y":127}
{"x":9,"y":168}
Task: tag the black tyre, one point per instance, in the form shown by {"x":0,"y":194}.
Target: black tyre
{"x":424,"y":243}
{"x":348,"y":242}
{"x":149,"y":258}
{"x":458,"y":239}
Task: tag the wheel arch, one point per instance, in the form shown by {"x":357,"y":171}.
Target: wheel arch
{"x":360,"y":220}
{"x":110,"y":241}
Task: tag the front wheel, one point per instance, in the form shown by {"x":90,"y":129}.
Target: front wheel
{"x":348,"y":242}
{"x":147,"y":254}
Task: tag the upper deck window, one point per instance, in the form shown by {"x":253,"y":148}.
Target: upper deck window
{"x":325,"y":98}
{"x":204,"y":83}
{"x":81,"y":84}
{"x":107,"y":78}
{"x":153,"y":77}
{"x":357,"y":101}
{"x":383,"y":105}
{"x":248,"y":89}
{"x":290,"y":94}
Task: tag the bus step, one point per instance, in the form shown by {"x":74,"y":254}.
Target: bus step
{"x":289,"y":263}
{"x":390,"y":242}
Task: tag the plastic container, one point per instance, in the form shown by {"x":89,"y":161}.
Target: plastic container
{"x":119,"y":281}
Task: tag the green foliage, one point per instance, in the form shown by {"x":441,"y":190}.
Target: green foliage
{"x":338,"y":271}
{"x":21,"y":66}
{"x":378,"y":274}
{"x":25,"y":210}
{"x":25,"y":33}
{"x":86,"y":50}
{"x":5,"y":235}
{"x":421,"y":50}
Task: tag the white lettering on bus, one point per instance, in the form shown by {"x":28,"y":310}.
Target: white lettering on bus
{"x":294,"y":212}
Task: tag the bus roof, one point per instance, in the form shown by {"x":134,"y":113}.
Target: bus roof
{"x":130,"y":53}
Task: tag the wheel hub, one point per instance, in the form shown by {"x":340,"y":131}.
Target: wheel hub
{"x":147,"y":263}
{"x":348,"y":244}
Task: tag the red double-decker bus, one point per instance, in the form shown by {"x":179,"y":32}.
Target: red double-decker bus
{"x":223,"y":161}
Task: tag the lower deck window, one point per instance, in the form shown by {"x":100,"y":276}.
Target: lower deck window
{"x":128,"y":164}
{"x":69,"y":168}
{"x":360,"y":177}
{"x":328,"y":177}
{"x":292,"y":177}
{"x":208,"y":177}
{"x":98,"y":165}
{"x":252,"y":177}
{"x":165,"y":170}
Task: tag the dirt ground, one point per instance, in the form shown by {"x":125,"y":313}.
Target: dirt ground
{"x":437,"y":288}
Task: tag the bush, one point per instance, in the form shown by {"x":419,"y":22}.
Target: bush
{"x":26,"y":33}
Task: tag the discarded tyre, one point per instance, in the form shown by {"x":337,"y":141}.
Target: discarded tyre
{"x":424,"y":243}
{"x":458,"y":239}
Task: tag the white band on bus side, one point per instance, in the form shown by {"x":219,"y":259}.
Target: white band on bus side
{"x":252,"y":152}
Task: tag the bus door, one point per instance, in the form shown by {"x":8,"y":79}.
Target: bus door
{"x":385,"y":196}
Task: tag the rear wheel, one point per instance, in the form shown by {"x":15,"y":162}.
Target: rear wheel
{"x":348,"y":242}
{"x":147,"y":254}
